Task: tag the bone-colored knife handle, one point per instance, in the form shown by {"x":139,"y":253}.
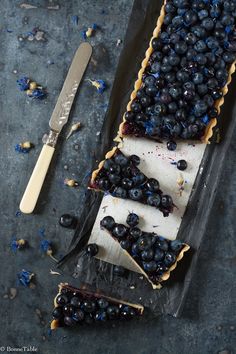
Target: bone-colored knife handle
{"x":37,"y":178}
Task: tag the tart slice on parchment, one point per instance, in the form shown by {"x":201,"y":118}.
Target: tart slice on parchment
{"x":185,"y":73}
{"x":119,"y":176}
{"x":73,"y":306}
{"x":154,"y":256}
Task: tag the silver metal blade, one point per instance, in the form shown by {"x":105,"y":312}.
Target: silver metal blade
{"x":65,"y":100}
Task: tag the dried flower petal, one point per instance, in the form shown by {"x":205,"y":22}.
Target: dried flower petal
{"x":73,"y":129}
{"x":89,"y":31}
{"x":18,"y":244}
{"x":24,"y":147}
{"x":71,"y":183}
{"x":99,"y":84}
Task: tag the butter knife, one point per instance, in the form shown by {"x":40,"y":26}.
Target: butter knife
{"x":58,"y":119}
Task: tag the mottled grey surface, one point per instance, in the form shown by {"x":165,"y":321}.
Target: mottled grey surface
{"x":208,"y":324}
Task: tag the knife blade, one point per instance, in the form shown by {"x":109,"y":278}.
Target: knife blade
{"x":57,"y":121}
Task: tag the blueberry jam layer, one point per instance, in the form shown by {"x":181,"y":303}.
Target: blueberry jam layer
{"x":155,"y":255}
{"x":120,"y":177}
{"x":77,"y":306}
{"x":186,"y":72}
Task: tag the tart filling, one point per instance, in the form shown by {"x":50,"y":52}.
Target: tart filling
{"x":78,"y":306}
{"x":154,"y":255}
{"x":186,"y":72}
{"x":119,"y":176}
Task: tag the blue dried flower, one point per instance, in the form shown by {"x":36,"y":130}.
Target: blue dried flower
{"x":18,"y":244}
{"x":24,"y":277}
{"x":99,"y":84}
{"x":24,"y":147}
{"x":75,"y":20}
{"x":23,"y":83}
{"x":228,"y":29}
{"x":89,"y":31}
{"x":38,"y":93}
{"x":45,"y":245}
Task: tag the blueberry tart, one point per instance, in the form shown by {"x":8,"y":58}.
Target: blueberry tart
{"x":74,"y":307}
{"x":185,"y":73}
{"x":154,"y":256}
{"x":120,"y":176}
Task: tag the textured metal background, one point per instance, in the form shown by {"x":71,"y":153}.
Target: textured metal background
{"x":208,"y":324}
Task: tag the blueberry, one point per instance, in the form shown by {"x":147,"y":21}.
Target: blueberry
{"x":108,"y":222}
{"x":139,"y":178}
{"x":156,"y":44}
{"x":159,"y":109}
{"x":216,"y":94}
{"x":104,"y":184}
{"x":175,"y":92}
{"x":126,"y":171}
{"x":208,"y":24}
{"x":135,"y":194}
{"x":199,"y":31}
{"x":161,"y":268}
{"x":170,"y":77}
{"x":113,"y":311}
{"x":181,"y":47}
{"x":62,"y":299}
{"x":68,"y":310}
{"x":132,"y":220}
{"x":119,"y":230}
{"x":129,"y":117}
{"x":190,"y":39}
{"x":155,"y":67}
{"x":101,"y":315}
{"x":107,"y":164}
{"x":201,"y":59}
{"x":190,"y":18}
{"x":171,"y":145}
{"x":121,"y":160}
{"x":162,"y":244}
{"x":145,"y":101}
{"x":135,"y":249}
{"x":180,"y":115}
{"x":213,"y":113}
{"x":134,"y":159}
{"x":149,"y":80}
{"x":144,"y":243}
{"x":152,"y":185}
{"x":200,"y":46}
{"x":69,"y":321}
{"x":154,"y":200}
{"x":166,"y":201}
{"x":200,"y":108}
{"x":75,"y":301}
{"x":182,"y":165}
{"x":88,"y":306}
{"x":114,"y":179}
{"x":227,"y":20}
{"x":202,"y":14}
{"x":147,"y":255}
{"x":102,"y":303}
{"x":212,"y":43}
{"x":209,"y":100}
{"x":119,"y":270}
{"x":57,"y":313}
{"x":115,"y":169}
{"x":68,"y":221}
{"x":221,"y":75}
{"x":169,"y":259}
{"x":125,"y":244}
{"x":151,"y":90}
{"x":212,"y":83}
{"x":169,"y":8}
{"x":229,"y":57}
{"x":92,"y":249}
{"x":172,"y":107}
{"x":135,"y":232}
{"x":159,"y":255}
{"x":173,"y":59}
{"x":127,"y":312}
{"x":119,"y":193}
{"x":78,"y":315}
{"x":188,"y":94}
{"x":150,"y":266}
{"x":136,"y":107}
{"x":182,"y":76}
{"x":202,"y":89}
{"x":198,"y":78}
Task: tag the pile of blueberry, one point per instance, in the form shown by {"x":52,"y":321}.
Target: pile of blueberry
{"x":121,"y":177}
{"x":77,"y":306}
{"x":186,"y":71}
{"x":154,"y":254}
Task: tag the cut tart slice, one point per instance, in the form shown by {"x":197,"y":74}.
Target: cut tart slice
{"x":74,"y":306}
{"x":154,"y":256}
{"x":185,"y":73}
{"x":119,"y":176}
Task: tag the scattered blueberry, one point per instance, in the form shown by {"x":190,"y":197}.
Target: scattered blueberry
{"x":132,"y":220}
{"x":68,"y":221}
{"x":171,"y":145}
{"x":92,"y":249}
{"x":182,"y":165}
